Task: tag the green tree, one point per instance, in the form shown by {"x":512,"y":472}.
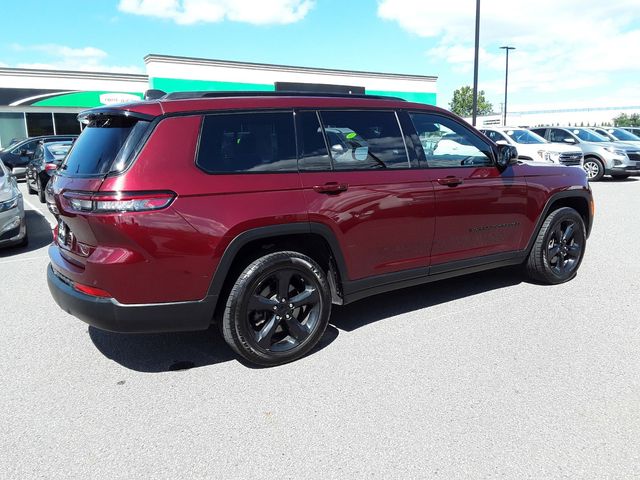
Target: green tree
{"x":462,"y":102}
{"x":624,"y":120}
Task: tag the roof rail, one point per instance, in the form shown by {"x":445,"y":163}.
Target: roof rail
{"x":219,"y":94}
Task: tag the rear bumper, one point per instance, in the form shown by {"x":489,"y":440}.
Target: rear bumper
{"x":108,"y":314}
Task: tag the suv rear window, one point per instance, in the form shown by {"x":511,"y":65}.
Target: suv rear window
{"x":248,"y":142}
{"x":106,"y":144}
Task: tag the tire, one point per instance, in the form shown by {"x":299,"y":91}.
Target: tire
{"x":559,"y":248}
{"x":41,"y":196}
{"x":620,"y":177}
{"x":261,"y":327}
{"x":594,"y":168}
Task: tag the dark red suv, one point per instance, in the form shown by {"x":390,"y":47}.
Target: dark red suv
{"x":260,"y":211}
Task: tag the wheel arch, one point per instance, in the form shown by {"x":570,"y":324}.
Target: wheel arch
{"x":580,"y":201}
{"x":313,"y":239}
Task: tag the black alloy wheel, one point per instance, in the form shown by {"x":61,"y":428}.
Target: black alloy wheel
{"x":283,"y":309}
{"x":278,"y":309}
{"x":563,"y":251}
{"x":559,"y":248}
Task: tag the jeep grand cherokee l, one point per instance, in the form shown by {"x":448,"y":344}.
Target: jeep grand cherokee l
{"x":239,"y":209}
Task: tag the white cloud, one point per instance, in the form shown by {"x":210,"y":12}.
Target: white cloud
{"x":561,"y":45}
{"x":61,"y":57}
{"x":186,"y":12}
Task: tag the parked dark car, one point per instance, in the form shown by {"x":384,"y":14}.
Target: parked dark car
{"x":17,"y":156}
{"x":46,"y":160}
{"x":234,"y":208}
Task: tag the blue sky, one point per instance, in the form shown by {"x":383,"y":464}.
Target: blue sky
{"x":569,"y":54}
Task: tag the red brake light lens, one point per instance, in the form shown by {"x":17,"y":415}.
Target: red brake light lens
{"x":117,"y":202}
{"x":93,"y":291}
{"x":50,"y":166}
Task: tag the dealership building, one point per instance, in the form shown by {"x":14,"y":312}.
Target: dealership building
{"x":41,"y":102}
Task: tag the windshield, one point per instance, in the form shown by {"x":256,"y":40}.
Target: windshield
{"x":588,"y":135}
{"x":621,"y":134}
{"x":525,"y":137}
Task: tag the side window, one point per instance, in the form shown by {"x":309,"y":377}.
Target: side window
{"x":364,"y":140}
{"x":313,"y":148}
{"x":29,"y":147}
{"x":539,"y":131}
{"x":493,"y":135}
{"x":557,"y":135}
{"x":448,"y":144}
{"x":247,"y":142}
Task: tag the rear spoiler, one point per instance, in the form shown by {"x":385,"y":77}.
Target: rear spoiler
{"x":89,"y":116}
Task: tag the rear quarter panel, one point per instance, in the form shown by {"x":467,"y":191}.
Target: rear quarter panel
{"x":185,"y":242}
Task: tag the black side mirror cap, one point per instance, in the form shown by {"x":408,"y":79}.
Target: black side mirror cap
{"x":507,"y":155}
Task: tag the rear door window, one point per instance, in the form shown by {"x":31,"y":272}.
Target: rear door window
{"x":106,"y":144}
{"x":364,"y":139}
{"x":248,"y":142}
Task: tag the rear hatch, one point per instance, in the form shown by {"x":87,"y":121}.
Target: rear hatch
{"x":107,"y":146}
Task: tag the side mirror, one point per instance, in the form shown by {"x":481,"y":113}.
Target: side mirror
{"x":502,"y":142}
{"x":570,"y":140}
{"x":507,"y":155}
{"x":337,"y":148}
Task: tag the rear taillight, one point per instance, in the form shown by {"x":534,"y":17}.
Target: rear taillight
{"x":116,"y":202}
{"x":49,"y":167}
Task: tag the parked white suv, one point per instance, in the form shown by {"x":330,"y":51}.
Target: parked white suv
{"x":531,"y":146}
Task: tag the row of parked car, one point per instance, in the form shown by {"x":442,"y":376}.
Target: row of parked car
{"x":34,"y":159}
{"x":601,"y":151}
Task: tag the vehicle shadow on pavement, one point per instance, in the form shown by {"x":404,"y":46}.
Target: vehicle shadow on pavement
{"x":164,"y":352}
{"x":39,"y":232}
{"x":397,"y":302}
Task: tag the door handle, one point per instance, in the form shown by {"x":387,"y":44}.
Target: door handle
{"x":450,"y":181}
{"x":331,"y":188}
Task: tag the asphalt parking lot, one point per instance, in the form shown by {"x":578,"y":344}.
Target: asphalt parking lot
{"x":484,"y":376}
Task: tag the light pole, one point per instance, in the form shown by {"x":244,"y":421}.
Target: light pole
{"x":506,"y":83}
{"x":474,"y":112}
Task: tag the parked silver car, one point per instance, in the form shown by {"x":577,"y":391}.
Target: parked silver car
{"x":601,"y":156}
{"x":616,"y":134}
{"x":634,"y":130}
{"x":13,"y":225}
